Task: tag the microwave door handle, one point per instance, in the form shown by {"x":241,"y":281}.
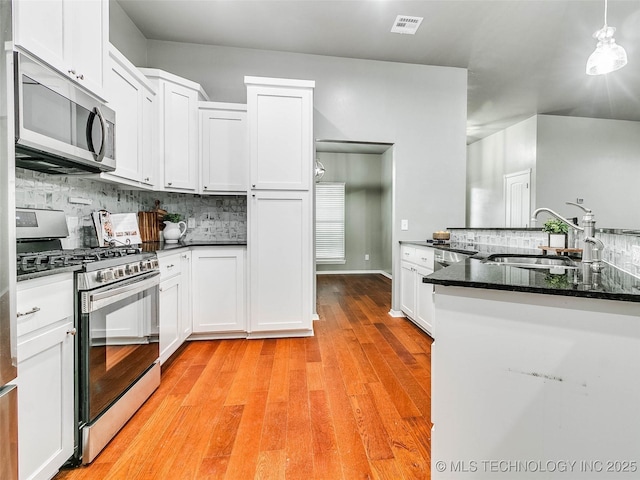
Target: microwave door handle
{"x":103,"y":129}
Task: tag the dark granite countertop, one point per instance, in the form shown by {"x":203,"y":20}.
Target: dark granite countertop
{"x":452,"y":247}
{"x":161,"y":246}
{"x":610,"y":284}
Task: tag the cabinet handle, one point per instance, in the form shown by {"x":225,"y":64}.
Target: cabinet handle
{"x":71,"y":72}
{"x":146,"y":179}
{"x":80,"y":77}
{"x":72,"y":331}
{"x":184,"y":256}
{"x":170,"y":266}
{"x":33,"y":310}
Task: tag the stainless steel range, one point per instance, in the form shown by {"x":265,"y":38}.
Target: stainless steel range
{"x":116,"y":321}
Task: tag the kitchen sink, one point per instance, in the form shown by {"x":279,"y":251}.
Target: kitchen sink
{"x":531,"y":261}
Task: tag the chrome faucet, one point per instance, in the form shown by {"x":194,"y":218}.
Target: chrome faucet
{"x":592,"y":250}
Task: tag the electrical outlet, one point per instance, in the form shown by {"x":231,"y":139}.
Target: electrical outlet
{"x":191,"y":223}
{"x":635,"y":255}
{"x":404,"y":224}
{"x":366,"y":257}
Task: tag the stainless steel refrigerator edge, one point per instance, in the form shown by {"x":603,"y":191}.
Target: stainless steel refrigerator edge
{"x":8,"y":347}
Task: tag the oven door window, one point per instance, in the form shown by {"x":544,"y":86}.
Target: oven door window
{"x":122,"y":340}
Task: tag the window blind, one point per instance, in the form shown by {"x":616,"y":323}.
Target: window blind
{"x":330,"y":222}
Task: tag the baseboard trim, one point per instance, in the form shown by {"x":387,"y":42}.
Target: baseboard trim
{"x":354,"y":272}
{"x":396,"y":313}
{"x":315,"y":316}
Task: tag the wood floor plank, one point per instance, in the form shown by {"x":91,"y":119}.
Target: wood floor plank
{"x":374,"y":436}
{"x":224,"y":432}
{"x":274,"y":429}
{"x":299,"y":444}
{"x":326,"y":458}
{"x":352,"y":402}
{"x":244,"y":457}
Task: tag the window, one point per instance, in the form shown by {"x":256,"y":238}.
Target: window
{"x":330,"y":223}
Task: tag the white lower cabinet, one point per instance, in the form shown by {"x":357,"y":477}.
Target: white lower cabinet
{"x":171,"y":309}
{"x":219,"y":290}
{"x":416,"y":297}
{"x":186,"y":325}
{"x":45,"y":375}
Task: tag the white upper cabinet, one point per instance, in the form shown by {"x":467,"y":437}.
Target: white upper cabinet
{"x":70,"y":35}
{"x":177,"y":130}
{"x":224,"y":147}
{"x":132,"y":97}
{"x":280,"y":133}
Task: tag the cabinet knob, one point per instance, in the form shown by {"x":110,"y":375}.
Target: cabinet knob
{"x":33,"y":310}
{"x":72,"y":331}
{"x":71,"y":72}
{"x":169,"y":183}
{"x":205,"y":187}
{"x":185,"y":256}
{"x":146,"y":179}
{"x":170,"y":266}
{"x":254,"y":185}
{"x":80,"y":77}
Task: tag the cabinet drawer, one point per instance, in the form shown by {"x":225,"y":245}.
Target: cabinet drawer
{"x":424,"y":257}
{"x":43,"y":301}
{"x":408,"y":254}
{"x":170,"y":265}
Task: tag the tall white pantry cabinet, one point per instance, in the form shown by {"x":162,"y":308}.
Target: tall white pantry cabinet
{"x":280,"y":207}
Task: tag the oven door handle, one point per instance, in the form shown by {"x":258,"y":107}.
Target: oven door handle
{"x":100,"y":299}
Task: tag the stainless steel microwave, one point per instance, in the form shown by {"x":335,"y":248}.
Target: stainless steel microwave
{"x":60,"y":128}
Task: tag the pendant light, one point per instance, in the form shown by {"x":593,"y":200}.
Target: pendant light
{"x":608,"y":56}
{"x":319,"y":170}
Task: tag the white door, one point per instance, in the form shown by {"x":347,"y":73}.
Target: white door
{"x":517,"y":199}
{"x":281,"y":261}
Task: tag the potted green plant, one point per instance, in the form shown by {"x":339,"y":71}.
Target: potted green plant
{"x":557,"y":230}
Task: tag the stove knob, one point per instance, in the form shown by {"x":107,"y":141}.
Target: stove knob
{"x":144,"y":266}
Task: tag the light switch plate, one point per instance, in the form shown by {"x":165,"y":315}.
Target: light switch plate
{"x":635,"y":255}
{"x":404,"y":224}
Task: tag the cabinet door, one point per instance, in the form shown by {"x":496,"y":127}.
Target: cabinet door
{"x":219,"y":291}
{"x":280,"y":137}
{"x":148,"y":138}
{"x":125,"y":97}
{"x":281,"y":261}
{"x":45,"y":401}
{"x":39,"y":28}
{"x":186,"y":325}
{"x":180,"y":137}
{"x":424,"y":313}
{"x":170,"y":316}
{"x":88,"y":38}
{"x":224,"y":154}
{"x":408,"y":289}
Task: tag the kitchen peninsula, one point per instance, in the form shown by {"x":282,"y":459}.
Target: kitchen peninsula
{"x":535,"y":372}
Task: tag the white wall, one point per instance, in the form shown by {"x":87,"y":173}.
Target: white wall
{"x":420,"y":109}
{"x":125,"y":36}
{"x":594,"y":159}
{"x":488,"y":160}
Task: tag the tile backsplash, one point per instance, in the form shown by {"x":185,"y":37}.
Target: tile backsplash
{"x":217,"y":217}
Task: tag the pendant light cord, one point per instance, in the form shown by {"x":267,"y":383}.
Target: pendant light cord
{"x":605,"y":12}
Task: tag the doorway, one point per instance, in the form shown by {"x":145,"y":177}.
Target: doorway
{"x":517,"y":199}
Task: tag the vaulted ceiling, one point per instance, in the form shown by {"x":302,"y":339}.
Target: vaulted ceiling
{"x":523,"y":56}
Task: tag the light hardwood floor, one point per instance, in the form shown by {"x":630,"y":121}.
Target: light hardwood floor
{"x":352,"y":402}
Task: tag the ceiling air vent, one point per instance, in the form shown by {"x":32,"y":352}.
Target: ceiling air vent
{"x":406,"y":25}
